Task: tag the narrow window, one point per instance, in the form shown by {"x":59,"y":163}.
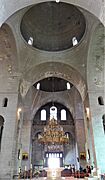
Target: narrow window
{"x":39,"y":135}
{"x":1,"y":129}
{"x":100,"y":100}
{"x":19,"y":154}
{"x":63,"y":114}
{"x":68,"y":85}
{"x":57,"y":155}
{"x":67,"y":135}
{"x":5,"y":102}
{"x":57,"y":1}
{"x":38,"y":86}
{"x":103,"y":117}
{"x":47,"y":155}
{"x":60,"y":155}
{"x":30,"y":41}
{"x":53,"y":112}
{"x":88,"y":154}
{"x":43,"y":115}
{"x":74,"y":41}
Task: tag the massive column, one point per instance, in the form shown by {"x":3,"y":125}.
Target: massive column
{"x":26,"y":144}
{"x":80,"y":129}
{"x":96,"y":84}
{"x":8,"y":110}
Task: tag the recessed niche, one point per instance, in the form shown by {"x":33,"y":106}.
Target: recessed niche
{"x":100,"y":100}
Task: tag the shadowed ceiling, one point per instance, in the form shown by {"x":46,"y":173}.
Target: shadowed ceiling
{"x":53,"y":84}
{"x":53,"y":25}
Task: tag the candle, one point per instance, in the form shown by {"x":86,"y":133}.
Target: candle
{"x":31,"y":166}
{"x":25,"y":168}
{"x":19,"y":169}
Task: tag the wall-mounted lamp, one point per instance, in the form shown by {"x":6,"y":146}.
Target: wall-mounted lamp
{"x":87,"y":112}
{"x":18,"y":112}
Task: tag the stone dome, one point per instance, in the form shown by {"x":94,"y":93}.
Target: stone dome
{"x":52,"y":25}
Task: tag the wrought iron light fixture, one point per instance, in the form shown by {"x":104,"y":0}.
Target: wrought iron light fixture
{"x":53,"y":134}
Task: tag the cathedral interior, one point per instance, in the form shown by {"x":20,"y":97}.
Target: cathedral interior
{"x":52,"y":86}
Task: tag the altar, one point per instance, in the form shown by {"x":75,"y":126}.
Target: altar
{"x":53,"y":173}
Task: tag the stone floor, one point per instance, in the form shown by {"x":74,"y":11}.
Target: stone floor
{"x":62,"y":178}
{"x":65,"y":178}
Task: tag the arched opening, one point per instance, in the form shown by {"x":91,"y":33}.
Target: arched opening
{"x":38,"y":86}
{"x":100,"y":100}
{"x":30,"y":41}
{"x":1,"y":129}
{"x":68,"y":85}
{"x":63,"y":114}
{"x":5,"y":102}
{"x":49,"y":153}
{"x":43,"y":115}
{"x":62,"y":70}
{"x":74,"y":41}
{"x":67,"y":99}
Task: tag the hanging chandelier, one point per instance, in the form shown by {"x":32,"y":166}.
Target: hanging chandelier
{"x":53,"y":134}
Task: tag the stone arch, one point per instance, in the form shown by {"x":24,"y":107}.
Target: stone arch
{"x":95,"y":8}
{"x":60,"y":70}
{"x":47,"y":99}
